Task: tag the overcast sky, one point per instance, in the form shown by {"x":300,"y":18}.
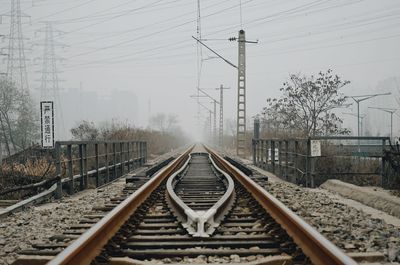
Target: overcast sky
{"x":145,"y":47}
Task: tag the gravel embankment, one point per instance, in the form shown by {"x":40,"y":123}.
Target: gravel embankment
{"x":375,"y":197}
{"x":350,"y":229}
{"x":36,"y":224}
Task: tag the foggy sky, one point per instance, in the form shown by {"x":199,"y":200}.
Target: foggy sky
{"x":145,"y":47}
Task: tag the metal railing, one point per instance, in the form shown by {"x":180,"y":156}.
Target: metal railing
{"x":94,"y":163}
{"x":339,"y":157}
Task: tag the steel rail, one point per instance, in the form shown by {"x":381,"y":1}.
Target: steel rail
{"x":44,"y":195}
{"x":314,"y":245}
{"x":90,"y":244}
{"x":200,"y":223}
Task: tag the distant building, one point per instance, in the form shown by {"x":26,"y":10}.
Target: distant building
{"x":78,"y":105}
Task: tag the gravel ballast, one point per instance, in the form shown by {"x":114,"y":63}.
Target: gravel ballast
{"x":36,"y":224}
{"x":353,"y":229}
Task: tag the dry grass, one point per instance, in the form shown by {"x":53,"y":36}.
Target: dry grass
{"x":17,"y":174}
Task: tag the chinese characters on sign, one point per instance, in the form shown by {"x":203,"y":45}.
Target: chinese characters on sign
{"x":47,"y":124}
{"x":315,"y":148}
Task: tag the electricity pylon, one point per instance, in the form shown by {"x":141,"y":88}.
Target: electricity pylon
{"x":49,"y":82}
{"x":16,"y":62}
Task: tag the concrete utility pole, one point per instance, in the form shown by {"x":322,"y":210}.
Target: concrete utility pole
{"x":209,"y":119}
{"x":391,"y":112}
{"x":215,"y":122}
{"x":215,"y":102}
{"x":256,"y":134}
{"x":221,"y":115}
{"x":213,"y":129}
{"x":199,"y":49}
{"x":241,"y":99}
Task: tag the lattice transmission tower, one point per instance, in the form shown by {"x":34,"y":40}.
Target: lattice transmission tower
{"x":49,"y":82}
{"x":49,"y":87}
{"x":16,"y":62}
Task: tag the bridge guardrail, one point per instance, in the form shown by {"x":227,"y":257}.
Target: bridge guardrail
{"x":293,"y":159}
{"x":101,"y":160}
{"x":75,"y":157}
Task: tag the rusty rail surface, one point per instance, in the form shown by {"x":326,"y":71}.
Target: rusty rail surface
{"x":320,"y":250}
{"x":90,"y":244}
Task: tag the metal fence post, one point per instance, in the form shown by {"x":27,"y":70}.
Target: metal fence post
{"x":264,"y":153}
{"x":96,"y":153}
{"x":142,"y":152}
{"x":384,"y":180}
{"x":70,"y":170}
{"x":121,"y":157}
{"x":85,"y":166}
{"x":308,"y":164}
{"x":128,"y":156}
{"x":107,"y":163}
{"x":254,"y":151}
{"x":287,"y":159}
{"x":267,"y":154}
{"x":114,"y":160}
{"x":58,"y":171}
{"x":273,"y":156}
{"x":81,"y":180}
{"x":137,"y":155}
{"x":296,"y":161}
{"x":312,"y":172}
{"x":280,"y":157}
{"x":258,"y":144}
{"x":145,"y":152}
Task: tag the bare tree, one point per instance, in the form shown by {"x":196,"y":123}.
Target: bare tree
{"x":18,"y":125}
{"x":27,"y":123}
{"x":85,"y":131}
{"x":306,"y":105}
{"x":8,"y":105}
{"x":158,"y":142}
{"x":163,"y":122}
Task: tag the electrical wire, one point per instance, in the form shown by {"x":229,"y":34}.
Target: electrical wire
{"x":152,"y":33}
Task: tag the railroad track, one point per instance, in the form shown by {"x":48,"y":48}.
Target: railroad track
{"x":198,"y":207}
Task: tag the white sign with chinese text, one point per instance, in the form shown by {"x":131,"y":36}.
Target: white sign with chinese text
{"x":315,"y":148}
{"x":47,"y":124}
